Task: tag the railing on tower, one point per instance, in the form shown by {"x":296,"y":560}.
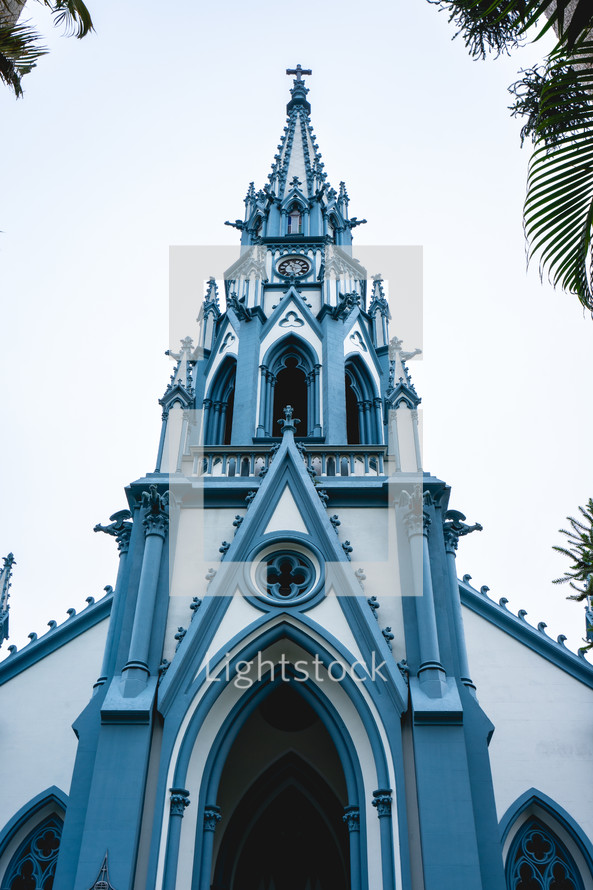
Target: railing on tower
{"x":337,"y":461}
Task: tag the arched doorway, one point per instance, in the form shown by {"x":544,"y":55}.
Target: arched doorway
{"x":285,"y":829}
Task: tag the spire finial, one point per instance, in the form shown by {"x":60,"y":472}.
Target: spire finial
{"x":5,"y":574}
{"x":299,"y":90}
{"x":299,"y":71}
{"x":289,"y":423}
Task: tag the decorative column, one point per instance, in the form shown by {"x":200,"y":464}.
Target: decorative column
{"x":317,"y":400}
{"x":263,"y":401}
{"x":212,"y":817}
{"x":417,"y":521}
{"x":121,"y":530}
{"x":270,"y":429}
{"x":207,"y":406}
{"x":414,"y":416}
{"x":378,"y":420}
{"x":382,"y":802}
{"x":156,"y":524}
{"x":453,"y":528}
{"x":159,"y":457}
{"x":179,"y":801}
{"x":352,"y":819}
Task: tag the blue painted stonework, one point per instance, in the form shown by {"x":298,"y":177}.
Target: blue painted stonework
{"x":285,"y":680}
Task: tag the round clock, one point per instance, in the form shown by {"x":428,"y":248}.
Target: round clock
{"x":294,"y":266}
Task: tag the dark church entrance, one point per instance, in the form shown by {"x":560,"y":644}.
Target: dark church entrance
{"x":287,"y":831}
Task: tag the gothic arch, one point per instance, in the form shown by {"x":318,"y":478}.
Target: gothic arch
{"x":289,"y":374}
{"x":33,"y":864}
{"x":363,"y":406}
{"x":197,"y":724}
{"x":219,"y":404}
{"x":544,"y":844}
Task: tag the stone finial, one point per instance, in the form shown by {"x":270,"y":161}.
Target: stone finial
{"x":5,"y":583}
{"x":288,"y":422}
{"x":102,"y":882}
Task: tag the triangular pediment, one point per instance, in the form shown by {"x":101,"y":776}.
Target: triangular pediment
{"x":286,"y":516}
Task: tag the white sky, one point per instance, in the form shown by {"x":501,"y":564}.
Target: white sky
{"x":146,"y":135}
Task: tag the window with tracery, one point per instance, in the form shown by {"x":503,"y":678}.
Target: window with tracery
{"x":538,"y":860}
{"x":33,"y":866}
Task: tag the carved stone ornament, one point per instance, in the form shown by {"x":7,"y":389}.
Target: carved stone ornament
{"x":382,"y":801}
{"x":179,"y":801}
{"x":351,"y":818}
{"x":119,"y":527}
{"x":212,"y":817}
{"x":156,"y":518}
{"x":102,"y":882}
{"x":454,"y":528}
{"x":416,"y":520}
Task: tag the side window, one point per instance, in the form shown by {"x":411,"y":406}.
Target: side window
{"x":34,"y":864}
{"x":538,"y":860}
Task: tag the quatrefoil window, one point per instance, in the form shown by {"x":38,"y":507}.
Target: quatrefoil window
{"x":286,"y":576}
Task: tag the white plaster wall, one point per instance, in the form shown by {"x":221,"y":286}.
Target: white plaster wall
{"x":543,"y":718}
{"x":38,"y":709}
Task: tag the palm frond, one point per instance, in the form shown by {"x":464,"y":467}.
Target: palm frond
{"x":19,"y":52}
{"x":73,"y":14}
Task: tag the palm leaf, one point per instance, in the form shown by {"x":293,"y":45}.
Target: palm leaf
{"x":73,"y":14}
{"x":19,"y":52}
{"x":559,"y":204}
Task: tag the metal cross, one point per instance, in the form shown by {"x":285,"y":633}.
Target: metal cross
{"x":299,"y":72}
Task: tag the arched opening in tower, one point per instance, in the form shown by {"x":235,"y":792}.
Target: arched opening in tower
{"x":284,"y":789}
{"x":228,"y":417}
{"x":352,"y":418}
{"x":291,"y":389}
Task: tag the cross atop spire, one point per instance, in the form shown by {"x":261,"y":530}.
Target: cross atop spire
{"x":299,"y":72}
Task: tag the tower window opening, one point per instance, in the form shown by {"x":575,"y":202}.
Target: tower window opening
{"x":291,"y":389}
{"x":352,"y":414}
{"x":228,"y":418}
{"x":295,"y":223}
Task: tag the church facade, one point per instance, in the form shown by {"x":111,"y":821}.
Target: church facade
{"x":289,"y":687}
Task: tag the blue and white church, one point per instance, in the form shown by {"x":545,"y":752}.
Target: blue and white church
{"x":289,"y":687}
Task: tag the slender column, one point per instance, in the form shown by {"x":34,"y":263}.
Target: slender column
{"x":367,"y":421}
{"x":352,"y":819}
{"x":453,"y":529}
{"x":156,"y":523}
{"x":212,"y":817}
{"x":270,"y":419}
{"x":361,"y":435}
{"x":378,"y":421}
{"x":206,"y":422}
{"x":159,"y":456}
{"x":382,"y":802}
{"x":414,"y":413}
{"x":317,"y":397}
{"x":263,"y":400}
{"x":431,"y":671}
{"x":216,"y":423}
{"x":179,"y":801}
{"x":121,"y":529}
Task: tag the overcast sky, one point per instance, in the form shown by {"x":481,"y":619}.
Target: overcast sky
{"x":145,"y":135}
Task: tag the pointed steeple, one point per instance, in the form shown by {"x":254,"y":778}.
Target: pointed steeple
{"x":297,"y":202}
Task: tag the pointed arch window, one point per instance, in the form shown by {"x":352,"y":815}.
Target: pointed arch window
{"x":538,"y":860}
{"x":33,"y":866}
{"x":219,"y":406}
{"x":295,"y":221}
{"x":363,"y":407}
{"x":290,"y":376}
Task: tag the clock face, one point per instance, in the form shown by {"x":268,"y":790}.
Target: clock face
{"x":294,"y":266}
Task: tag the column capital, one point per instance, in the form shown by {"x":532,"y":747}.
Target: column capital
{"x":212,"y":817}
{"x":351,"y":818}
{"x":156,"y":517}
{"x":179,"y":801}
{"x":382,"y":801}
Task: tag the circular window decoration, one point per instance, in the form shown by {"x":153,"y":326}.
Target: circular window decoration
{"x":294,"y":266}
{"x":284,"y":574}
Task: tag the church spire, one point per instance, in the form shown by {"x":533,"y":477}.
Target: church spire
{"x":297,"y":202}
